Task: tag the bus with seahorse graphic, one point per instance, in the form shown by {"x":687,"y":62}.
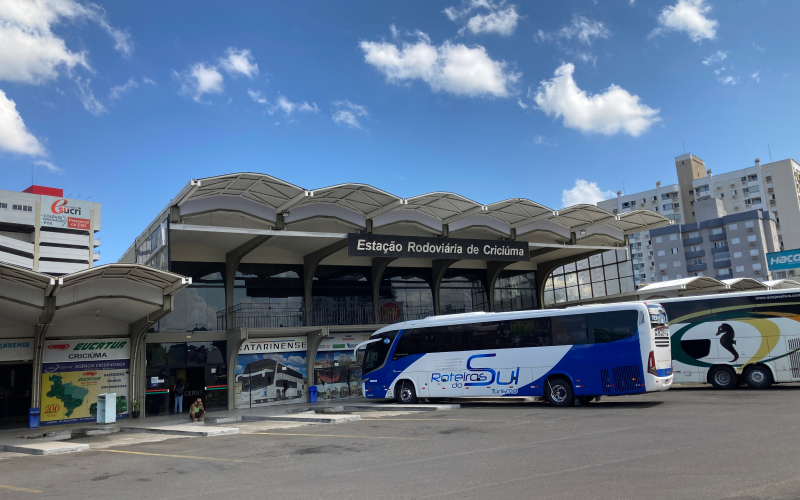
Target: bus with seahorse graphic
{"x":726,"y":340}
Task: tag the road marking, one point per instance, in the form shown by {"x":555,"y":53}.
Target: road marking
{"x":453,"y":420}
{"x":181,"y":456}
{"x":335,"y":436}
{"x":17,"y":488}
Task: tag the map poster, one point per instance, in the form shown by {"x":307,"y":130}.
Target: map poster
{"x":75,"y":371}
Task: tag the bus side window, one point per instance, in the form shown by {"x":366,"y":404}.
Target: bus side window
{"x":534,"y":332}
{"x":570,"y":330}
{"x":411,"y":342}
{"x":482,"y":336}
{"x":611,"y":326}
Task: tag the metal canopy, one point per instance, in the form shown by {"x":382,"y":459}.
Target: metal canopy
{"x":360,"y":198}
{"x":16,"y":274}
{"x":167,"y":281}
{"x":580,"y":217}
{"x":781,"y":284}
{"x":744,"y":284}
{"x":694,"y":284}
{"x":447,"y":207}
{"x":639,"y":220}
{"x":517,"y":212}
{"x":259,"y":188}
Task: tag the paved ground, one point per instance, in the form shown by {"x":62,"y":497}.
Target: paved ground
{"x":686,"y":443}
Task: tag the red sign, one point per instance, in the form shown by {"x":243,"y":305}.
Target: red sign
{"x":60,"y":347}
{"x":73,"y":223}
{"x":89,"y":374}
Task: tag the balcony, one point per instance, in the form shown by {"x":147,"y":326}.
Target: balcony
{"x":717,"y":237}
{"x":692,"y":241}
{"x":265,"y":316}
{"x":718,"y":264}
{"x":696,"y":267}
{"x":694,"y":255}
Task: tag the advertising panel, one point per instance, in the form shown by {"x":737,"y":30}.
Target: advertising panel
{"x":64,"y":213}
{"x":75,"y":371}
{"x":778,"y":261}
{"x":337,"y":374}
{"x":271,"y":371}
{"x":16,"y":349}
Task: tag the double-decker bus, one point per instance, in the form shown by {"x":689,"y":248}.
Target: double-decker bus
{"x":724,"y":340}
{"x":561,"y":355}
{"x":267,"y":380}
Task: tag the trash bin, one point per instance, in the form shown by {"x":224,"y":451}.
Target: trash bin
{"x":312,"y":394}
{"x":33,"y":418}
{"x":107,"y":408}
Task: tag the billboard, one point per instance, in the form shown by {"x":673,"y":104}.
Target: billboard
{"x":270,"y":371}
{"x":16,"y":349}
{"x":337,"y":372}
{"x":789,"y":259}
{"x":75,"y":371}
{"x":64,"y":213}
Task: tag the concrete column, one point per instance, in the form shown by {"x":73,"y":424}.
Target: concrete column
{"x":379,"y":265}
{"x":137,"y":332}
{"x":232,"y":260}
{"x":493,"y":269}
{"x":314,"y":340}
{"x":44,"y":322}
{"x":37,"y":236}
{"x":310,"y":263}
{"x":91,"y":238}
{"x":437,"y":271}
{"x":235,"y":339}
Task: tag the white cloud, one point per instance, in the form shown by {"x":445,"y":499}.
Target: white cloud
{"x":716,"y":57}
{"x":308,"y":108}
{"x":582,"y":28}
{"x":394,"y":30}
{"x":502,"y":21}
{"x":543,"y":141}
{"x":755,"y":77}
{"x":688,"y":16}
{"x":760,"y":49}
{"x":14,"y":135}
{"x":453,"y":68}
{"x":200,"y":79}
{"x":584,"y":192}
{"x":53,"y":169}
{"x":288,"y":107}
{"x":118,"y":90}
{"x":148,"y":81}
{"x":257,"y":97}
{"x":728,"y":80}
{"x":31,"y":53}
{"x":239,"y":62}
{"x":88,"y":99}
{"x":348,"y":114}
{"x":587,"y":57}
{"x":522,"y":104}
{"x":613,"y":111}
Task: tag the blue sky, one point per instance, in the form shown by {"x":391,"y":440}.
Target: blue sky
{"x":125,"y":104}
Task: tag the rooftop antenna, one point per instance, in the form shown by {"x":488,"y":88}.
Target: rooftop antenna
{"x":623,"y":188}
{"x":684,"y":146}
{"x":770,"y":153}
{"x":31,"y":174}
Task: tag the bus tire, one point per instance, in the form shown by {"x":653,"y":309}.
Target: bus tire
{"x":559,"y":392}
{"x":758,"y":377}
{"x":723,"y":377}
{"x":404,"y":393}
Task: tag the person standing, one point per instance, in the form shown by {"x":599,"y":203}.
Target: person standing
{"x":178,"y":396}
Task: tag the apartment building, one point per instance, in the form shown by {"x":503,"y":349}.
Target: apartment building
{"x":666,"y":200}
{"x":45,"y":232}
{"x":719,"y":245}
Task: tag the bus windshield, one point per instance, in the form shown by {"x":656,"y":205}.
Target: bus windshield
{"x":376,"y":352}
{"x":658,"y":316}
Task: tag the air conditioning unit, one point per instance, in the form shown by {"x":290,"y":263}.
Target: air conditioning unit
{"x":615,"y":210}
{"x":749,"y":229}
{"x":663,"y":271}
{"x":757,"y":271}
{"x":755,"y":257}
{"x":734,"y":196}
{"x":736,"y":208}
{"x":752,"y":243}
{"x":719,"y":188}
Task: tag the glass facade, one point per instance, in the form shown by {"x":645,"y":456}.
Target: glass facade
{"x":515,"y":291}
{"x":154,"y":250}
{"x":604,"y":274}
{"x":463,"y":290}
{"x":202,"y":367}
{"x":196,"y":306}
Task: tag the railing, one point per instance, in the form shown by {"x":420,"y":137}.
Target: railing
{"x":266,"y":316}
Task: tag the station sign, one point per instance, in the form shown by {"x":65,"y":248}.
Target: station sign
{"x":16,"y":349}
{"x":778,"y":261}
{"x":412,"y":247}
{"x":280,"y":344}
{"x":64,"y":213}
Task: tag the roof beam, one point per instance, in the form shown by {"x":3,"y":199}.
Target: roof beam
{"x":536,"y":218}
{"x":599,"y":222}
{"x":294,"y":201}
{"x":386,"y":209}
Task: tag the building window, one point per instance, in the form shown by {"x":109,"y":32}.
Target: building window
{"x":735,"y":241}
{"x":661,"y":253}
{"x":720,"y":244}
{"x":699,"y":273}
{"x":722,"y":195}
{"x":696,"y":262}
{"x":749,"y":224}
{"x":673,"y":237}
{"x":667,"y":206}
{"x":756,"y":267}
{"x":724,"y":272}
{"x":739,"y":269}
{"x":676,"y":263}
{"x":23,"y":208}
{"x":754,"y":252}
{"x":3,"y":205}
{"x":695,"y":248}
{"x":737,"y":255}
{"x":674,"y":250}
{"x":659,"y":239}
{"x":733,"y":227}
{"x":752,"y":238}
{"x":716,"y":230}
{"x":722,"y":256}
{"x":702,"y":188}
{"x":626,"y":205}
{"x":752,"y":177}
{"x":678,"y":276}
{"x":633,"y":203}
{"x":693,"y":234}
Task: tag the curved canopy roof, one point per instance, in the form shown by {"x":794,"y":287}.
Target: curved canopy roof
{"x":694,"y":284}
{"x":447,"y":207}
{"x":781,"y":284}
{"x":744,"y":284}
{"x":168,"y":282}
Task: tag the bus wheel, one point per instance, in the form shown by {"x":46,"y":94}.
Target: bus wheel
{"x":758,"y":377}
{"x":405,"y":393}
{"x":723,"y":377}
{"x":559,"y":392}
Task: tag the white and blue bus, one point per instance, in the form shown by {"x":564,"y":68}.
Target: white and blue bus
{"x":560,"y":355}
